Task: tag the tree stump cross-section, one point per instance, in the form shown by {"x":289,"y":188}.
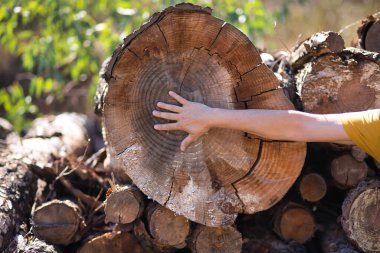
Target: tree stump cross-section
{"x":202,"y":58}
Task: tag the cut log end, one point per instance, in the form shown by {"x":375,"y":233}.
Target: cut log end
{"x":216,"y":240}
{"x":295,"y":222}
{"x":361,"y":216}
{"x":347,"y":171}
{"x":123,"y":205}
{"x":166,"y":227}
{"x":115,"y":242}
{"x":337,"y":83}
{"x":57,"y":222}
{"x":313,"y":187}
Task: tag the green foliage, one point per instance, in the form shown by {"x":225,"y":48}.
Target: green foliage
{"x":17,"y":105}
{"x":65,"y":41}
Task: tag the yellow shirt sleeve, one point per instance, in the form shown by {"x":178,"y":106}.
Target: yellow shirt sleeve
{"x":363,"y":128}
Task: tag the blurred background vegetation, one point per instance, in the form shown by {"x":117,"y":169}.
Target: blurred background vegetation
{"x":51,"y":50}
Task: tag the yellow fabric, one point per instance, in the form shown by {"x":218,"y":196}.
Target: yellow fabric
{"x":364,"y":130}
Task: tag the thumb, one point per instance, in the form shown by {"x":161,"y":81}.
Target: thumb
{"x":187,"y":141}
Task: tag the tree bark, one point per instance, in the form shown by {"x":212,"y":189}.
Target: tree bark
{"x":333,"y":240}
{"x":17,"y":189}
{"x":23,"y":244}
{"x":270,"y":244}
{"x":53,"y":138}
{"x":58,"y":222}
{"x":369,"y":34}
{"x":318,"y":44}
{"x":216,"y":240}
{"x":347,"y":171}
{"x":123,"y":205}
{"x":361,"y":216}
{"x":294,"y":222}
{"x":312,"y":187}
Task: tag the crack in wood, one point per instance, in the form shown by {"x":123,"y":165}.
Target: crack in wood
{"x":217,"y":35}
{"x":163,"y":35}
{"x":251,"y":169}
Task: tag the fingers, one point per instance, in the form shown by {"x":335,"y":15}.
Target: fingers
{"x":168,"y":126}
{"x":186,"y":142}
{"x":178,"y":97}
{"x":169,"y":107}
{"x":165,"y":115}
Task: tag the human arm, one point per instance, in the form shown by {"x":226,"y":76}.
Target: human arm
{"x":196,"y":119}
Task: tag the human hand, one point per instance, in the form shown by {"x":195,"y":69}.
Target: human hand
{"x":191,"y":117}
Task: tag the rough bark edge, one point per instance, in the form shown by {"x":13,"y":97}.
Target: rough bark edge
{"x":313,"y":47}
{"x":155,"y":18}
{"x":359,"y":54}
{"x":350,"y":198}
{"x":17,"y":190}
{"x":363,"y":29}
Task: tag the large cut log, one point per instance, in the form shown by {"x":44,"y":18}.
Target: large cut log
{"x":361,"y":215}
{"x":17,"y":189}
{"x":115,"y":242}
{"x":294,"y":222}
{"x":312,"y":187}
{"x":347,"y":171}
{"x":166,"y":227}
{"x":215,"y":240}
{"x":344,"y":82}
{"x":187,"y":50}
{"x":58,"y":222}
{"x":369,"y":34}
{"x":123,"y":205}
{"x":318,"y":44}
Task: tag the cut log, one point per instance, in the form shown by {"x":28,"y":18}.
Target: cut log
{"x":123,"y":205}
{"x":74,"y":130}
{"x":58,"y":222}
{"x":369,"y":34}
{"x":344,"y":82}
{"x":52,"y":138}
{"x":187,"y":50}
{"x":317,"y":45}
{"x":216,"y":240}
{"x":166,"y":227}
{"x":146,"y":240}
{"x":347,"y":171}
{"x":313,"y":187}
{"x":17,"y":189}
{"x":294,"y":222}
{"x":361,"y":215}
{"x":333,"y":240}
{"x":358,"y":153}
{"x":115,"y":242}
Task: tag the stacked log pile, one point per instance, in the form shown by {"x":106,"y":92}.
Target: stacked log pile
{"x":143,"y":195}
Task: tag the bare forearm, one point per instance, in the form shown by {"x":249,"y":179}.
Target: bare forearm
{"x":196,"y":119}
{"x":281,"y":124}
